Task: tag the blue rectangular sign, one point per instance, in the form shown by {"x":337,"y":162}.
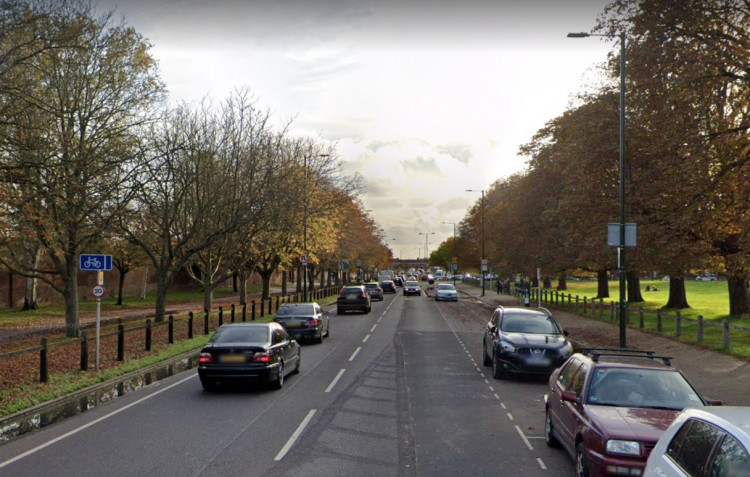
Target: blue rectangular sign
{"x":95,"y":262}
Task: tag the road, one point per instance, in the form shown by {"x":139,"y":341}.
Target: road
{"x":400,"y":391}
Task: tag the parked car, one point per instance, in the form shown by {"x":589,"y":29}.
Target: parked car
{"x":250,"y":352}
{"x":388,"y":286}
{"x":704,"y":442}
{"x":353,"y":298}
{"x":706,"y":278}
{"x":524,"y":341}
{"x":412,"y":287}
{"x":304,"y":321}
{"x":608,"y":407}
{"x":446,"y":291}
{"x":376,"y":293}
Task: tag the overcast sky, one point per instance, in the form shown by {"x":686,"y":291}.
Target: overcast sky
{"x":423,"y":98}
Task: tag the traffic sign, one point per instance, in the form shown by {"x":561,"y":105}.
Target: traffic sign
{"x":98,"y":291}
{"x":303,"y":259}
{"x":93,"y":263}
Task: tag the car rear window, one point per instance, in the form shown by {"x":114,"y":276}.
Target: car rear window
{"x":302,"y":309}
{"x":351,"y":291}
{"x":241,"y":334}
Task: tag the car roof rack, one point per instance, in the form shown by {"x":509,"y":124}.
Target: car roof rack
{"x":596,"y":353}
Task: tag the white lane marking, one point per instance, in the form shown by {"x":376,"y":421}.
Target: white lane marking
{"x":541,"y":463}
{"x":487,"y":382}
{"x":366,"y":338}
{"x":373,"y":328}
{"x":503,"y":405}
{"x":95,"y":421}
{"x":354,"y":355}
{"x":335,"y":381}
{"x":497,"y":397}
{"x":525,"y":440}
{"x":295,"y":436}
{"x":492,"y":389}
{"x":510,"y":416}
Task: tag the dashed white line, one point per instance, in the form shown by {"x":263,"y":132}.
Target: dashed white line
{"x":541,"y":463}
{"x":497,"y":397}
{"x":356,"y":352}
{"x":510,"y":416}
{"x":502,"y":405}
{"x":295,"y":436}
{"x":335,"y":381}
{"x":366,"y":338}
{"x":525,"y":440}
{"x":373,"y":327}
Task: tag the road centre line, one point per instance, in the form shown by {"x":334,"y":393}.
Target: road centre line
{"x":295,"y":436}
{"x":541,"y":463}
{"x":95,"y":421}
{"x":523,"y":436}
{"x":373,"y":327}
{"x":366,"y":338}
{"x":356,"y":351}
{"x":510,"y":416}
{"x":335,"y":381}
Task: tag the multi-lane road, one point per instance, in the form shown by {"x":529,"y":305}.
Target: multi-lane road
{"x":400,"y":391}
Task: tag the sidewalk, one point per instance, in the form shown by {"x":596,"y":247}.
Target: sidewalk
{"x":715,"y":375}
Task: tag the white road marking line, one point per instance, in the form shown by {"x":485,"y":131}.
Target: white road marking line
{"x":487,"y":382}
{"x":525,"y":440}
{"x":356,"y":351}
{"x":541,"y":464}
{"x":335,"y":381}
{"x":497,"y":397}
{"x":503,"y":405}
{"x":95,"y":421}
{"x":295,"y":436}
{"x":366,"y":338}
{"x":373,"y":328}
{"x":492,"y":389}
{"x":510,"y":416}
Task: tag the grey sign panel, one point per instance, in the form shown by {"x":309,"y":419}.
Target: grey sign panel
{"x":613,"y":235}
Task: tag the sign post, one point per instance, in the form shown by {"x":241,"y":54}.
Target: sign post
{"x":98,"y":264}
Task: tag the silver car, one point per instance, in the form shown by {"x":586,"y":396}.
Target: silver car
{"x":446,"y":291}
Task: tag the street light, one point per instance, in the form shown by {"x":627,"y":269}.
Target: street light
{"x":621,"y":245}
{"x":426,"y":254}
{"x":483,"y":257}
{"x":454,"y":241}
{"x":304,"y":230}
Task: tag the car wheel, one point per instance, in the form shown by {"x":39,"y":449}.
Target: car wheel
{"x":339,"y":311}
{"x":328,"y":330}
{"x":278,"y":383}
{"x":497,"y":368}
{"x":319,"y":339}
{"x":582,"y":465}
{"x":486,"y":360}
{"x":209,"y":385}
{"x":549,"y":435}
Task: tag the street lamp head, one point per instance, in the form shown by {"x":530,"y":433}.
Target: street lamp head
{"x":579,"y":35}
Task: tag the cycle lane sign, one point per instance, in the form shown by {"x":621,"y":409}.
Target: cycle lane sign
{"x":95,"y":262}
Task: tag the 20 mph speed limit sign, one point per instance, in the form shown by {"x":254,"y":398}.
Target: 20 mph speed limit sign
{"x":98,"y":291}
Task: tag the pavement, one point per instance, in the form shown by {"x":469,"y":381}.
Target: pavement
{"x":714,"y":374}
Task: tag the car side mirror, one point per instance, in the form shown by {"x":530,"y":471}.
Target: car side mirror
{"x":492,"y":328}
{"x":714,"y":402}
{"x":566,"y":332}
{"x":570,"y":396}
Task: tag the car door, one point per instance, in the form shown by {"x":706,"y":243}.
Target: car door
{"x":490,"y":333}
{"x":561,"y":410}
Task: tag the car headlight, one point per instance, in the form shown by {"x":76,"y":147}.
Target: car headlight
{"x":566,"y":350}
{"x":507,"y":347}
{"x":615,"y":446}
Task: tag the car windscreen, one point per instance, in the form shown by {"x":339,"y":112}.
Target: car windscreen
{"x":446,"y":287}
{"x":411,"y":284}
{"x":646,"y":388}
{"x":302,"y":309}
{"x":241,"y":334}
{"x":533,"y":324}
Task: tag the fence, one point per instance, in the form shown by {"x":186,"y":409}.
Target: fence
{"x":173,"y":328}
{"x":718,"y":335}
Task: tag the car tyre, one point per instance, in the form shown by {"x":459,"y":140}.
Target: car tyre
{"x":549,"y":435}
{"x":319,"y":339}
{"x":582,"y":464}
{"x":328,"y":330}
{"x":497,"y":368}
{"x":339,"y":311}
{"x":486,"y":360}
{"x":278,"y":383}
{"x":209,"y":385}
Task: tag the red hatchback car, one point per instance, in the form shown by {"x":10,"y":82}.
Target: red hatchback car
{"x":608,"y":407}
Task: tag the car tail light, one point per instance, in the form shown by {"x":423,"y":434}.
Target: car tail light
{"x":312,"y":322}
{"x":205,"y":358}
{"x":262,"y":357}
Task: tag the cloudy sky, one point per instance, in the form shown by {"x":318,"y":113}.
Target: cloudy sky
{"x":423,"y":98}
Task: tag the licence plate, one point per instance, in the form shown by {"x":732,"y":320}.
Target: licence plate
{"x":233,"y":358}
{"x":294,"y":324}
{"x":351,"y":297}
{"x":538,"y":361}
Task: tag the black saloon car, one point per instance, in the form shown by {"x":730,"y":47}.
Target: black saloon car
{"x":248,"y":352}
{"x":524,"y":341}
{"x":304,"y":321}
{"x":376,"y":293}
{"x":353,"y":298}
{"x":388,"y":286}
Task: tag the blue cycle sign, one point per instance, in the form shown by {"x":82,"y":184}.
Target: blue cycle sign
{"x":95,"y":262}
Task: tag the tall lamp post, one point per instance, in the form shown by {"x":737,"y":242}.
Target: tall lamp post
{"x":426,"y":254}
{"x":483,"y":256}
{"x":621,"y":244}
{"x":454,"y":241}
{"x":305,"y":257}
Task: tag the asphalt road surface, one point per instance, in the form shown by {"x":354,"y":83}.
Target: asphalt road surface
{"x":400,"y":391}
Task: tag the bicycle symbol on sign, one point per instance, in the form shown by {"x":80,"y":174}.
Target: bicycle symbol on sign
{"x":92,"y":262}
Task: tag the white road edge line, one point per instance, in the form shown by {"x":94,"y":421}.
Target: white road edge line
{"x":354,"y":355}
{"x":95,"y":421}
{"x":525,"y":440}
{"x":366,"y":338}
{"x":541,"y":463}
{"x":335,"y":381}
{"x":295,"y":436}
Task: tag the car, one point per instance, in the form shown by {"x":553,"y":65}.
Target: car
{"x":706,"y":278}
{"x":411,"y":287}
{"x":353,"y":298}
{"x":373,"y":288}
{"x":304,"y":321}
{"x":704,"y":442}
{"x":248,"y":352}
{"x":608,"y":408}
{"x":446,"y":291}
{"x":524,"y":341}
{"x":388,"y":286}
{"x":398,"y":281}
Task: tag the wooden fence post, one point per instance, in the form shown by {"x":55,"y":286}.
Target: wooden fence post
{"x":231,"y":314}
{"x":170,"y":332}
{"x":43,"y":370}
{"x":270,"y":305}
{"x":190,"y":325}
{"x":585,"y":305}
{"x":658,"y":321}
{"x":244,"y":312}
{"x":84,"y":352}
{"x":277,"y":302}
{"x":575,"y":310}
{"x":641,"y":320}
{"x":221,"y":315}
{"x":253,"y":311}
{"x":148,"y":337}
{"x":601,"y":308}
{"x":121,"y":340}
{"x":725,"y":328}
{"x":262,"y":308}
{"x":678,"y":325}
{"x":700,"y":328}
{"x":612,"y":311}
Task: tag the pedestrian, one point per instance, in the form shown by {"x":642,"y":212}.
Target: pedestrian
{"x":498,"y":284}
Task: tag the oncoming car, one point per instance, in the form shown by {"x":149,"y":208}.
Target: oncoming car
{"x":412,"y":287}
{"x":446,"y":291}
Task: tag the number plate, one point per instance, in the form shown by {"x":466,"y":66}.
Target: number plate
{"x":294,"y":324}
{"x":233,"y":358}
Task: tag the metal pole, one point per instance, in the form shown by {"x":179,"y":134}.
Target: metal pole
{"x":483,"y":255}
{"x":100,"y":282}
{"x":623,"y":306}
{"x":304,"y":239}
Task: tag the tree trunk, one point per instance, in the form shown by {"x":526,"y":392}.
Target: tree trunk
{"x":265,"y":277}
{"x":562,"y":282}
{"x":283,"y":282}
{"x":677,"y":294}
{"x":208,"y":291}
{"x":547,"y":282}
{"x":243,"y":286}
{"x":602,"y":283}
{"x":72,"y":325}
{"x":10,"y":288}
{"x":634,"y":287}
{"x":311,"y":273}
{"x":739,"y":301}
{"x":120,"y":287}
{"x":299,"y":276}
{"x":160,"y":307}
{"x":29,"y":298}
{"x":234,"y":282}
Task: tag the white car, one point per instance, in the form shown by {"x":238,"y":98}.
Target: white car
{"x":706,"y":278}
{"x":710,"y":441}
{"x":446,"y":291}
